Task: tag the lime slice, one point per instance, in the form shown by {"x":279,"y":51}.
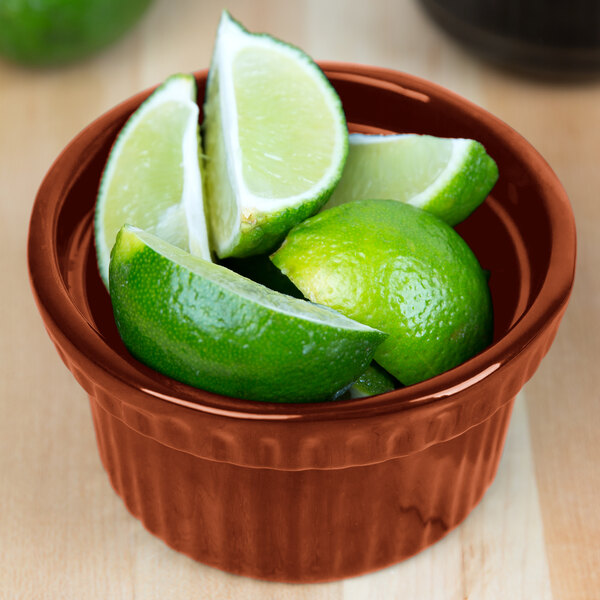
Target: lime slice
{"x":206,"y":326}
{"x":275,"y":138}
{"x":401,"y":270}
{"x":449,"y":177}
{"x":152,"y":177}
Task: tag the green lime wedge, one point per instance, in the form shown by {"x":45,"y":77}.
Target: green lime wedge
{"x":401,"y":270}
{"x":375,"y":380}
{"x":206,"y":326}
{"x":275,"y":140}
{"x":449,"y":177}
{"x":152,"y":178}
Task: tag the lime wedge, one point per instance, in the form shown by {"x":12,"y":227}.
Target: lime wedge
{"x":152,"y":177}
{"x":449,"y":177}
{"x":206,"y":326}
{"x":375,"y":380}
{"x":275,"y":140}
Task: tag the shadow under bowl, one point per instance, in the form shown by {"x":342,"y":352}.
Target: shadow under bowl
{"x":312,"y":492}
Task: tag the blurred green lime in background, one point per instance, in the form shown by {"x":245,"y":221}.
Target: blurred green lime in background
{"x":51,"y":32}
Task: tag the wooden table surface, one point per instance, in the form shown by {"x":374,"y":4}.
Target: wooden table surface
{"x":63,"y":531}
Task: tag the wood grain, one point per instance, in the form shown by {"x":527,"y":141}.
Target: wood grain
{"x":63,"y":531}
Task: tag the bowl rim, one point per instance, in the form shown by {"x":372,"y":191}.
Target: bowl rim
{"x":63,"y":316}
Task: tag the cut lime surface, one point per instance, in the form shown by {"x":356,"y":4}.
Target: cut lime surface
{"x":401,"y":270}
{"x":275,"y":140}
{"x":206,"y":326}
{"x":449,"y":177}
{"x":152,"y":178}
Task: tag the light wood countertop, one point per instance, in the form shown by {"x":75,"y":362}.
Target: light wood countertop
{"x":63,"y":531}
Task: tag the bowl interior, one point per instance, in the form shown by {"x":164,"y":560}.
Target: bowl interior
{"x":510,"y":233}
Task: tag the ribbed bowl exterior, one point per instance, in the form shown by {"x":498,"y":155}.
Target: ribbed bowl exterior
{"x":323,"y":491}
{"x":300,"y":526}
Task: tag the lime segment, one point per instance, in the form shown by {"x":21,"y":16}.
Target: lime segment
{"x":449,"y":177}
{"x":206,"y":326}
{"x":275,"y":140}
{"x":373,"y":381}
{"x":152,"y":178}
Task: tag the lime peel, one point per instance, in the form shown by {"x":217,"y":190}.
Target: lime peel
{"x":400,"y":269}
{"x":206,"y":326}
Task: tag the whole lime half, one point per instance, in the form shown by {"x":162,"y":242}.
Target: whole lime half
{"x":50,"y":32}
{"x":398,"y":269}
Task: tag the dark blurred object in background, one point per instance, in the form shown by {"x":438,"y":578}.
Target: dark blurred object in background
{"x":548,"y":37}
{"x":50,"y":32}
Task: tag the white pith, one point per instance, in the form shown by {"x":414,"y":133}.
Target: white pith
{"x":192,"y":194}
{"x":231,"y":39}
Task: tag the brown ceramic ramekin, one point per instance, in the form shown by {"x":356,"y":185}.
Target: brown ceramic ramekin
{"x":312,"y":492}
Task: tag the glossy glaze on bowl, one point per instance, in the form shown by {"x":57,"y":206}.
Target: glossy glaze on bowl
{"x":320,"y":491}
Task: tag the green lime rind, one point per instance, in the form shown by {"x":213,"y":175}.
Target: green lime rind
{"x":152,"y":177}
{"x":54,"y":32}
{"x":262,"y":232}
{"x":243,"y":223}
{"x":401,"y":270}
{"x":206,"y":326}
{"x":449,"y":177}
{"x":457,"y":197}
{"x":375,"y":380}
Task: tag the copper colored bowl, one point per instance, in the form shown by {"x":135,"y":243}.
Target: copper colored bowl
{"x":312,"y":492}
